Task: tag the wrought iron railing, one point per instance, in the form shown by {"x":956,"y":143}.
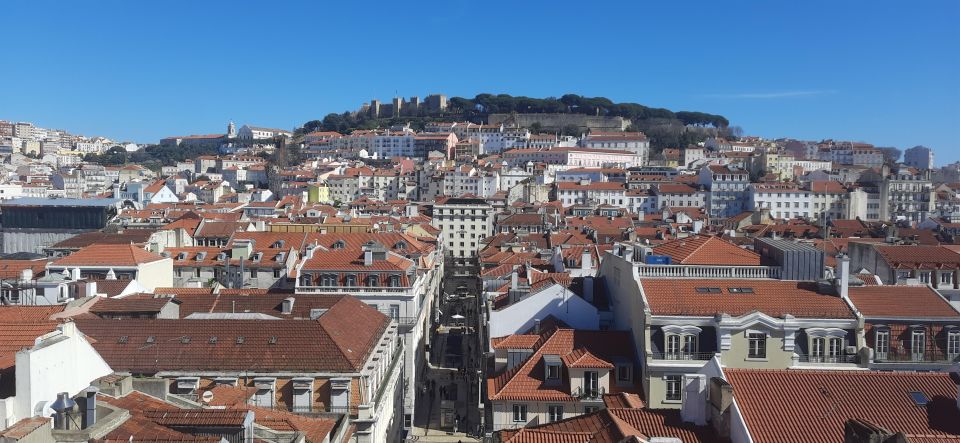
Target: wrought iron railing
{"x":827,"y":359}
{"x":681,"y":355}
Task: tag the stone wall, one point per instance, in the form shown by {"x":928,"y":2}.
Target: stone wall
{"x":559,"y":121}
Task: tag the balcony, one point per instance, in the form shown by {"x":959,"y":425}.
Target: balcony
{"x":588,"y":394}
{"x":681,"y":356}
{"x":911,"y":357}
{"x":827,"y":360}
{"x":698,"y":271}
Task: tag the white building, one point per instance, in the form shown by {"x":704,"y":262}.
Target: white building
{"x":465,"y":223}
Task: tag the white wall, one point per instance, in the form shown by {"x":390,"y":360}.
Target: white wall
{"x":555,"y":300}
{"x":61,"y":361}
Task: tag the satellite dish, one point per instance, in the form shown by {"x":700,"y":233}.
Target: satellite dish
{"x":207,"y":396}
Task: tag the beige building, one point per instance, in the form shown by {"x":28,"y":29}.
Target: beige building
{"x":680,"y":324}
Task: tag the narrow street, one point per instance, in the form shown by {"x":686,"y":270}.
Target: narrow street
{"x":447,"y":399}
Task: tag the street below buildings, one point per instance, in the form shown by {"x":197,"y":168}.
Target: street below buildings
{"x":448,"y":397}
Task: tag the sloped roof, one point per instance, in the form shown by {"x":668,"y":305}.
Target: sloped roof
{"x":775,"y":298}
{"x":901,"y":302}
{"x":339,"y":341}
{"x":707,"y":250}
{"x":108,"y":255}
{"x":800,"y":405}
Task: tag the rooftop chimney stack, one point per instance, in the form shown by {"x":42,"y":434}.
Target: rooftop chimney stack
{"x":287,"y":305}
{"x":843,"y":266}
{"x":586,"y":259}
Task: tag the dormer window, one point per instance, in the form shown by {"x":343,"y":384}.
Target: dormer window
{"x":201,"y":256}
{"x":394,"y":281}
{"x":222,"y":256}
{"x":182,"y":256}
{"x":400,"y":245}
{"x":551,"y":365}
{"x":339,"y":244}
{"x":277,"y":245}
{"x":350,"y":280}
{"x":257,"y":256}
{"x":373,"y":280}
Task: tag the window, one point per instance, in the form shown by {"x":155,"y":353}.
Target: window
{"x":918,"y":342}
{"x":519,"y":413}
{"x":826,"y":349}
{"x":395,"y":312}
{"x":555,"y":413}
{"x":946,"y":277}
{"x":553,"y":372}
{"x":624,"y":373}
{"x":689,"y":344}
{"x":673,"y":387}
{"x":757,"y":342}
{"x":953,"y":345}
{"x":591,"y":384}
{"x":673,"y":347}
{"x":196,"y":272}
{"x":276,"y":273}
{"x":590,"y":409}
{"x":253,"y":272}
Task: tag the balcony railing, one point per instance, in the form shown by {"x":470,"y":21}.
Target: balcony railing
{"x":699,"y":271}
{"x":682,"y":355}
{"x":590,"y":393}
{"x":827,"y":359}
{"x":919,"y":357}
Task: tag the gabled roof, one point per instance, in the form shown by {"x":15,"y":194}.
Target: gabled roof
{"x":802,"y":405}
{"x":108,"y":255}
{"x":614,"y":424}
{"x":20,"y":335}
{"x":707,"y":250}
{"x":525,"y":382}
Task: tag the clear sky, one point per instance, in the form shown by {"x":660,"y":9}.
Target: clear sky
{"x":883,"y":72}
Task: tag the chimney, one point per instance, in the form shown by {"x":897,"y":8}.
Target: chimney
{"x":586,"y":259}
{"x":62,"y":408}
{"x":720,"y":398}
{"x":75,"y":274}
{"x":88,"y":406}
{"x":843,"y":280}
{"x":536,"y":326}
{"x":111,"y":275}
{"x":694,"y":407}
{"x":26,"y":275}
{"x":287,"y":305}
{"x":514,"y":280}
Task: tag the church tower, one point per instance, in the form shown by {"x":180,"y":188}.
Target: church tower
{"x":231,"y":130}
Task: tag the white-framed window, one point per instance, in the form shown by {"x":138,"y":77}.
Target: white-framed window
{"x":946,"y":277}
{"x":624,"y":373}
{"x":953,"y":345}
{"x":673,"y":346}
{"x":555,"y":413}
{"x":591,"y":383}
{"x":756,"y":345}
{"x":674,"y":387}
{"x":882,"y":344}
{"x":918,"y":344}
{"x":519,"y":413}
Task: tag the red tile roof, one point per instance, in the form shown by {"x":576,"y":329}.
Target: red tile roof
{"x":901,"y":302}
{"x":108,"y":255}
{"x":525,"y":382}
{"x":614,"y":425}
{"x":339,"y":341}
{"x":775,"y":298}
{"x":801,"y":405}
{"x":17,"y":336}
{"x":919,"y":257}
{"x":707,"y":250}
{"x":12,"y":269}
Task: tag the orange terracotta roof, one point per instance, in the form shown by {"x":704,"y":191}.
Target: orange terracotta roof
{"x":108,"y":255}
{"x":707,"y":250}
{"x":792,"y":406}
{"x":775,"y":298}
{"x":901,"y":302}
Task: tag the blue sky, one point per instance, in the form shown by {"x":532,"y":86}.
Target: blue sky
{"x":875,"y":71}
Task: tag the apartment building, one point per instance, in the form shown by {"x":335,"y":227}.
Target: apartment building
{"x":465,"y":223}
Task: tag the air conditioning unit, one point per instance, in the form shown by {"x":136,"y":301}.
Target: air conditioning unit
{"x":851,"y":350}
